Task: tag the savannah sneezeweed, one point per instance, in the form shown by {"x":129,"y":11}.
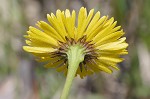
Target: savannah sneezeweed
{"x":93,"y":45}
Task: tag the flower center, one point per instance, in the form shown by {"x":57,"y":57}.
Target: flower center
{"x":88,"y":50}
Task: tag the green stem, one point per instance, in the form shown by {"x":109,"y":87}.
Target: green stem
{"x":75,"y":56}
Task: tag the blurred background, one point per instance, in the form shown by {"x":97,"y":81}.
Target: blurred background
{"x":21,"y":77}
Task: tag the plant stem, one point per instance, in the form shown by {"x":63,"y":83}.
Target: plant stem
{"x":75,"y":56}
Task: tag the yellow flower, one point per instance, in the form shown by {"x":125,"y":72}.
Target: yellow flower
{"x":99,"y":39}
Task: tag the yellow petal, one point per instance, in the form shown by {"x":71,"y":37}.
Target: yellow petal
{"x":81,"y":19}
{"x":111,"y":59}
{"x":38,"y":49}
{"x":60,"y":24}
{"x":115,"y":67}
{"x":85,"y":23}
{"x":113,"y":52}
{"x":93,"y":22}
{"x":39,"y":35}
{"x":110,"y":21}
{"x":57,"y":25}
{"x":105,"y":69}
{"x":106,"y":31}
{"x":73,"y":18}
{"x":49,"y":30}
{"x":67,"y":13}
{"x":44,"y":59}
{"x":28,"y":42}
{"x":110,"y":38}
{"x":70,"y":23}
{"x":114,"y":46}
{"x":96,"y":28}
{"x":108,"y":64}
{"x":116,"y":29}
{"x":118,"y":45}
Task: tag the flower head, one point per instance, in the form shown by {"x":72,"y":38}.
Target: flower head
{"x":99,"y":39}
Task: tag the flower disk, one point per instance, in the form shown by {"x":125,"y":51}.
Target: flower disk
{"x":100,"y":38}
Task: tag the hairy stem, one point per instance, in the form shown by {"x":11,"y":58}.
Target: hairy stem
{"x":75,"y":56}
